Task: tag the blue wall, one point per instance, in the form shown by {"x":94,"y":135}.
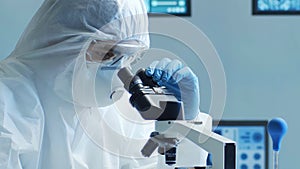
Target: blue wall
{"x":14,"y":16}
{"x":261,"y":59}
{"x":260,"y":55}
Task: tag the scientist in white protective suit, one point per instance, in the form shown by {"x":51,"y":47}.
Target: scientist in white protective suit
{"x":61,"y":104}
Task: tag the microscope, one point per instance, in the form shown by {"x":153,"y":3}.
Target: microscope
{"x":155,"y":102}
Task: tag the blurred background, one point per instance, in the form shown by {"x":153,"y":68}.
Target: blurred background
{"x":260,"y":55}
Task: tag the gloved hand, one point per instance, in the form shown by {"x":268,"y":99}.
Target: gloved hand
{"x":180,"y":80}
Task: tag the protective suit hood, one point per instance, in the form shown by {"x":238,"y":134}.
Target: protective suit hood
{"x":60,"y":21}
{"x":62,"y":31}
{"x":49,"y":112}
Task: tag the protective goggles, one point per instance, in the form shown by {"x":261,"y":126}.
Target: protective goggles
{"x":112,"y":54}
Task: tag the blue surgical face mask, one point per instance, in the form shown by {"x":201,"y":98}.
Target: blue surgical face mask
{"x":108,"y":86}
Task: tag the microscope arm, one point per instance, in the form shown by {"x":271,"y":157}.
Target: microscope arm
{"x":222,"y":149}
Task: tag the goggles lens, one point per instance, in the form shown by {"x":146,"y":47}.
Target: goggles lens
{"x":111,"y":54}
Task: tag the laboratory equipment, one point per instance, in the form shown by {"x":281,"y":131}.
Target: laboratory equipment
{"x":277,"y":128}
{"x":271,"y":7}
{"x":252,"y":140}
{"x":156,"y":103}
{"x":173,"y":7}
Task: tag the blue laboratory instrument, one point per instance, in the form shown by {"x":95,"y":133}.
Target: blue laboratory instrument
{"x":277,"y":128}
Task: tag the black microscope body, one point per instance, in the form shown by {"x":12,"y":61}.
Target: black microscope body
{"x":153,"y":102}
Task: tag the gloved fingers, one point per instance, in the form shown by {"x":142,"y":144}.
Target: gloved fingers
{"x":150,"y":70}
{"x":160,"y":68}
{"x":170,"y":69}
{"x":185,"y":72}
{"x":165,"y":70}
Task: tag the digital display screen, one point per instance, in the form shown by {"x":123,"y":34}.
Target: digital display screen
{"x":276,"y":7}
{"x":251,"y":142}
{"x":172,"y":7}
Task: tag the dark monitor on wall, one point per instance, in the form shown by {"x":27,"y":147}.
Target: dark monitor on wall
{"x":172,"y":7}
{"x":251,"y":139}
{"x":276,"y":7}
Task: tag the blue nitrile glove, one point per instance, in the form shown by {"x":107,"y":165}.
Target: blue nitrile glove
{"x":180,"y":80}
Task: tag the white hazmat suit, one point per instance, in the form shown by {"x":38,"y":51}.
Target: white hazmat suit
{"x":56,"y":108}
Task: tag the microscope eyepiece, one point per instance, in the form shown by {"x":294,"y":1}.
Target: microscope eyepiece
{"x":153,"y":102}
